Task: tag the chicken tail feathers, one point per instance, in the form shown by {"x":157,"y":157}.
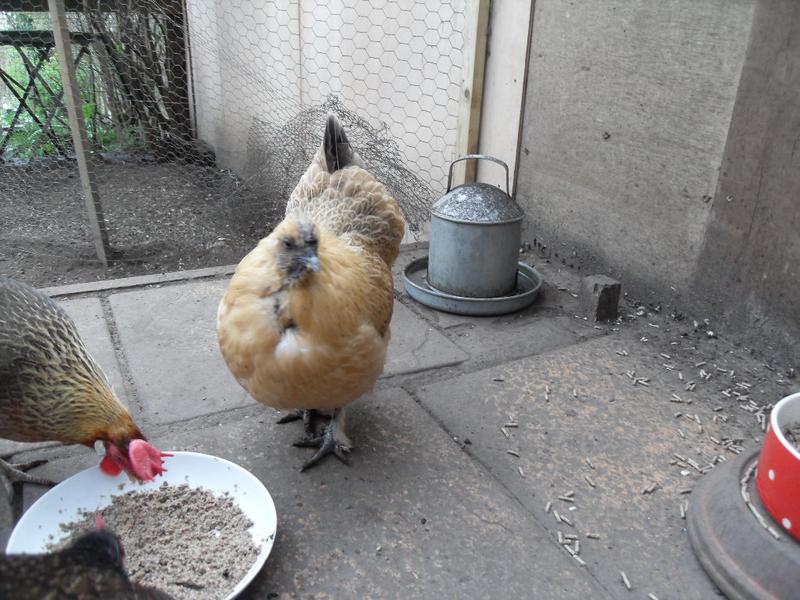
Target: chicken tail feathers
{"x":338,"y":152}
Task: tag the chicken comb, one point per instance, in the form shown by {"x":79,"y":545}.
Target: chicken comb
{"x":146,"y":460}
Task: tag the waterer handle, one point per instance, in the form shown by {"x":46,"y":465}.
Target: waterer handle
{"x":477,"y":157}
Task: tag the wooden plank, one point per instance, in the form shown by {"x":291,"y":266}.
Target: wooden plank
{"x":77,"y":125}
{"x":115,"y":285}
{"x":515,"y":176}
{"x":471,"y":89}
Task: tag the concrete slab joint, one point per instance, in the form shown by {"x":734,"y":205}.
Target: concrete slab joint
{"x":599,"y":297}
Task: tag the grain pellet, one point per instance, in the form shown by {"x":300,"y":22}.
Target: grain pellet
{"x":625,"y":581}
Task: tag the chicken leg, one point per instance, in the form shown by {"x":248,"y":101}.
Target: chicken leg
{"x":307,"y":415}
{"x":332,"y":441}
{"x":15,"y":473}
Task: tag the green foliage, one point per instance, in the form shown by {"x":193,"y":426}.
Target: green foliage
{"x":27,"y":139}
{"x":122,"y":84}
{"x":89,"y":110}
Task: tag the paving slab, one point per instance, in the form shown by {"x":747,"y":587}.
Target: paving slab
{"x":514,"y":336}
{"x":578,"y":403}
{"x":417,"y":346}
{"x":169,"y":339}
{"x":413,"y":517}
{"x":90,"y":321}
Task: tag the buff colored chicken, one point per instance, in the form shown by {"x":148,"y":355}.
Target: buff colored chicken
{"x":52,"y":389}
{"x":304,"y":323}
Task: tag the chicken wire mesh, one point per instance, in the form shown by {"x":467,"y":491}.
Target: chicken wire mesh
{"x":201,"y":108}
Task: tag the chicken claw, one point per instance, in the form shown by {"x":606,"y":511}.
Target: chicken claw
{"x":332,"y":441}
{"x":15,"y":472}
{"x":307,"y":415}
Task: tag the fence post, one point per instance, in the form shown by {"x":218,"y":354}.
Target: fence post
{"x":471,"y":89}
{"x":77,"y":125}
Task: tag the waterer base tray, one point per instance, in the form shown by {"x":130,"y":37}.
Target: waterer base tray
{"x":416,"y":280}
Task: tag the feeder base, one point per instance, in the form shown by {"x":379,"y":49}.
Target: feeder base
{"x":743,"y":558}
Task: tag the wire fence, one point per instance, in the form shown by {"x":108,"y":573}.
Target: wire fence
{"x":201,"y":115}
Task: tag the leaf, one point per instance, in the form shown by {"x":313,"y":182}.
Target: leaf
{"x":89,"y":110}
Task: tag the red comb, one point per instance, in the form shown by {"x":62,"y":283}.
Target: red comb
{"x":99,"y":522}
{"x":146,"y":460}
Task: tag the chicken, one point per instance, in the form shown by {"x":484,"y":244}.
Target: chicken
{"x":304,"y":323}
{"x":52,"y":389}
{"x":91,"y":568}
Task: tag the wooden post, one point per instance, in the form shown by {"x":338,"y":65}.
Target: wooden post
{"x":77,"y":125}
{"x":471,"y":90}
{"x":524,"y":101}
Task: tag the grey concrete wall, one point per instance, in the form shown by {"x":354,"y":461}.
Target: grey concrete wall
{"x":631,"y":110}
{"x":749,"y":266}
{"x":627,"y":110}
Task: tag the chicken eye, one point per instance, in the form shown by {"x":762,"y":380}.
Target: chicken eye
{"x":311,"y":241}
{"x":288,"y":243}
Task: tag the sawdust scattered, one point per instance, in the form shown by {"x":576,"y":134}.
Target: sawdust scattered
{"x":182,"y":540}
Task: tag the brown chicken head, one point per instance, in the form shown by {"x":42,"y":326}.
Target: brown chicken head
{"x":137,"y":458}
{"x":297,"y":246}
{"x":126,"y":449}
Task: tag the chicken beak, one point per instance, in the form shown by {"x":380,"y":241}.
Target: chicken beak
{"x":310,"y":261}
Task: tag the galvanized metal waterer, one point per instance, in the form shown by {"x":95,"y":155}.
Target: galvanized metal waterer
{"x":476,"y":230}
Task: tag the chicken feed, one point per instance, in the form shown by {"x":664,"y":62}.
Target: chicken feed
{"x":182,"y":540}
{"x":793,"y":434}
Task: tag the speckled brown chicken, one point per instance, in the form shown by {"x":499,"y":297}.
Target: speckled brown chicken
{"x":52,"y":389}
{"x":91,"y":568}
{"x":304,"y":323}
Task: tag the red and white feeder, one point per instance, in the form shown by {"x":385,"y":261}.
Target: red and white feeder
{"x":735,"y":519}
{"x":778,"y":476}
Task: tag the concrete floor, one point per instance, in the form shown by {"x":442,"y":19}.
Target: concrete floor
{"x":442,"y":498}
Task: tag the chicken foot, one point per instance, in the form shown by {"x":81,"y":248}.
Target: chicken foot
{"x":332,"y":441}
{"x":15,"y":472}
{"x":307,"y":415}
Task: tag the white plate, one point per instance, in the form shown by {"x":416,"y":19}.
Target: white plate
{"x":92,"y":489}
